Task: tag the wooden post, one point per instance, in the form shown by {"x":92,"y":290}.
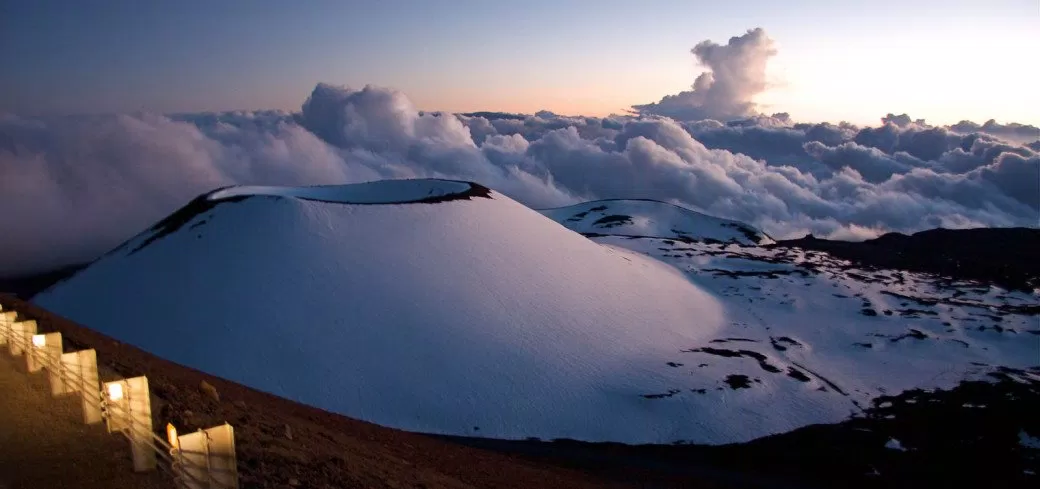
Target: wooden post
{"x":130,"y":410}
{"x":80,"y":373}
{"x":207,"y":458}
{"x":46,"y":353}
{"x":6,"y":318}
{"x":20,"y":334}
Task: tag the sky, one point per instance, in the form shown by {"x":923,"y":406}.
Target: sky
{"x":942,"y":61}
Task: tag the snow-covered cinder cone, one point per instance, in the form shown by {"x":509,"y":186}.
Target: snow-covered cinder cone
{"x":428,"y":305}
{"x":652,"y":218}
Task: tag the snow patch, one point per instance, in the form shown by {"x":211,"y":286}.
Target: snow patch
{"x":894,"y":444}
{"x":1028,"y":441}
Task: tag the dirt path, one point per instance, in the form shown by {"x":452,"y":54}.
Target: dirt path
{"x":44,"y":443}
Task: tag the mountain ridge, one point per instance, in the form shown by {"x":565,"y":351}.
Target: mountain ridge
{"x":1002,"y":256}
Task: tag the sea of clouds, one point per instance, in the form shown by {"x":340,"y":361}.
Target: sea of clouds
{"x":73,"y":187}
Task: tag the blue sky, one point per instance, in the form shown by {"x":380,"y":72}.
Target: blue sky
{"x":943,"y":61}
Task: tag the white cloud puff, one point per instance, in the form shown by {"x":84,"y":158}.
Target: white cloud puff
{"x":736,"y":72}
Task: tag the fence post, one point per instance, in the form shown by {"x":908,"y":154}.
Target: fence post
{"x":20,"y":332}
{"x":46,"y":353}
{"x":130,"y":410}
{"x":206,"y":458}
{"x":6,"y":318}
{"x":80,"y":371}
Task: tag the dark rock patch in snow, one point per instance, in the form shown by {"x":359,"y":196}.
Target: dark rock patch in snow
{"x":924,"y":301}
{"x":914,"y":334}
{"x":728,"y":340}
{"x":751,"y":234}
{"x":823,"y":379}
{"x":762,"y":359}
{"x":780,"y":342}
{"x":797,"y":375}
{"x":577,"y":217}
{"x":182,"y":216}
{"x":916,"y":312}
{"x":737,"y":381}
{"x":670,"y":393}
{"x":861,"y":277}
{"x":611,"y":221}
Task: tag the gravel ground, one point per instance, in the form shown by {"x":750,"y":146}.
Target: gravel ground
{"x":44,"y":443}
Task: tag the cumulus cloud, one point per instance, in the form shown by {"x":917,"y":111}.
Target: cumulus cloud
{"x":74,"y":187}
{"x":1013,"y":132}
{"x":736,"y":73}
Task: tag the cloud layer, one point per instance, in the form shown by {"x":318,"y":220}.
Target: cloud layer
{"x":74,"y":187}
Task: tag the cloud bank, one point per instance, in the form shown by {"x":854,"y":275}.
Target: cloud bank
{"x":74,"y":187}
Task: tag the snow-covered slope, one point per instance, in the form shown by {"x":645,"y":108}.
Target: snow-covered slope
{"x":652,"y":218}
{"x":444,"y":307}
{"x":427,"y":305}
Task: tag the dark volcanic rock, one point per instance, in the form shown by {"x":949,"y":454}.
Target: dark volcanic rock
{"x":1002,"y":256}
{"x":737,"y":381}
{"x":612,"y":221}
{"x":967,"y":436}
{"x":670,"y":393}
